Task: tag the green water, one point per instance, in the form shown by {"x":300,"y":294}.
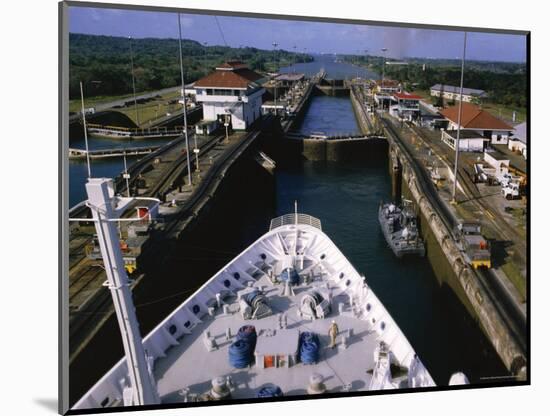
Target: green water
{"x":345,"y":196}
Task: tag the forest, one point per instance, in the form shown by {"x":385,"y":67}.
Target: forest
{"x":504,"y":82}
{"x":104,"y":63}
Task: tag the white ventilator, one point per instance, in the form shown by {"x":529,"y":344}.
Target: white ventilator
{"x":458,"y":379}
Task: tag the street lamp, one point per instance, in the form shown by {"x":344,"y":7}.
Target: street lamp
{"x":365,"y":80}
{"x":357,"y":53}
{"x":384,"y":63}
{"x":226,"y":124}
{"x":83,"y":110}
{"x":126,"y":175}
{"x":457,"y":141}
{"x":85,"y":131}
{"x":184,"y":107}
{"x":275,"y":44}
{"x":275,"y":79}
{"x":205,"y":59}
{"x":133,"y":80}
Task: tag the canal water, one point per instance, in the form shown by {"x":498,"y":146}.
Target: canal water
{"x":111,"y":167}
{"x":334,"y":70}
{"x":345,"y":197}
{"x":107,"y":168}
{"x":331,"y":116}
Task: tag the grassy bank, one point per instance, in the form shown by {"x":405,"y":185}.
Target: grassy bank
{"x":146,"y":112}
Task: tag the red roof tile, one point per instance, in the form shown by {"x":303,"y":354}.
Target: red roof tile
{"x":474,"y":117}
{"x":406,"y":96}
{"x":387,"y":83}
{"x":232,"y":74}
{"x":232,"y":65}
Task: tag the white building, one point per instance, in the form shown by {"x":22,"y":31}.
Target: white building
{"x":470,"y":141}
{"x":478,"y":120}
{"x":384,"y":91}
{"x":451,"y":92}
{"x":190,"y":93}
{"x":518,"y":142}
{"x":498,"y":162}
{"x":408,"y":105}
{"x":232,"y":94}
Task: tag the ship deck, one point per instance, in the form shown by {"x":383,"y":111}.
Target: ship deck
{"x":371,"y":352}
{"x":190,"y":365}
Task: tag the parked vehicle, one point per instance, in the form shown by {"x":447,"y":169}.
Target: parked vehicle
{"x":475,"y":247}
{"x":511,"y":190}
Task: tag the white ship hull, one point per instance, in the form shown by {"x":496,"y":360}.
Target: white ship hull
{"x":189,"y":348}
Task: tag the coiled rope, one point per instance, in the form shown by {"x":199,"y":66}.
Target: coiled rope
{"x":248,"y":333}
{"x":269,"y":391}
{"x":291,"y":275}
{"x":309,"y":347}
{"x":241,"y":352}
{"x":250,"y":297}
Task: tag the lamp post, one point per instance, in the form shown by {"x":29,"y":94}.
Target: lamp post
{"x":357,"y":63}
{"x":85,"y":131}
{"x":384,"y":74}
{"x":275,"y":79}
{"x":83,"y":111}
{"x":365,"y":80}
{"x":184,"y":107}
{"x":226,"y":124}
{"x":205,"y":44}
{"x":384,"y":62}
{"x":126,"y":176}
{"x":133,"y":80}
{"x":457,"y":141}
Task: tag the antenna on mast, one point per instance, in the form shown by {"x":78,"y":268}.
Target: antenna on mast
{"x":85,"y":132}
{"x":103,"y":204}
{"x":185,"y":110}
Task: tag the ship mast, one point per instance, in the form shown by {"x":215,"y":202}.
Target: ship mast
{"x":102,"y":204}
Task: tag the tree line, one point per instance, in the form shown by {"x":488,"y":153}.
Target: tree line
{"x":103,"y":63}
{"x":504,"y":82}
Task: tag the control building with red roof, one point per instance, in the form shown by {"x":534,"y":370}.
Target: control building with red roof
{"x":383,"y":92}
{"x":408,"y":105}
{"x":480,"y":121}
{"x":232,"y":94}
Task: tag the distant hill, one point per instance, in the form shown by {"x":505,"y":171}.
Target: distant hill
{"x":156,"y":62}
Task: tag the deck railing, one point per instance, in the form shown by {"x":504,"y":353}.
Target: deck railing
{"x":290,"y":219}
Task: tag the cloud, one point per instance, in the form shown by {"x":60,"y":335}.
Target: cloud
{"x":186,"y":22}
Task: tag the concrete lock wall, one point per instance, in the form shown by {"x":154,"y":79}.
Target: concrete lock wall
{"x":314,"y":149}
{"x":446,"y":258}
{"x":333,"y":149}
{"x":360,"y":114}
{"x":185,"y":249}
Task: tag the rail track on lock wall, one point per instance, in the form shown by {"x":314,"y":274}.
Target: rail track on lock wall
{"x":505,"y":306}
{"x":502,"y":227}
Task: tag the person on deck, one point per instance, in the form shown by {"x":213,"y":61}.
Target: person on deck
{"x":333,"y":332}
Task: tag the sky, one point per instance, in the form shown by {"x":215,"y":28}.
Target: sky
{"x":311,"y":37}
